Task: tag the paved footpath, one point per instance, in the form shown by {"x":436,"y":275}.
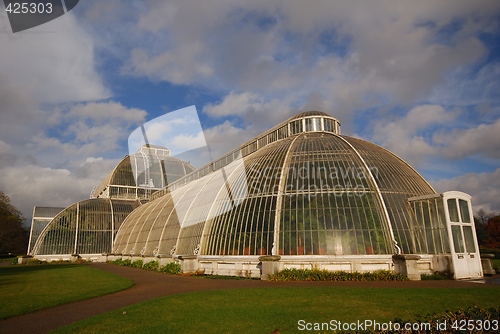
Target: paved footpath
{"x":149,"y":284}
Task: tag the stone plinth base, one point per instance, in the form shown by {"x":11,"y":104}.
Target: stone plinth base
{"x":270,"y":265}
{"x":407,"y":265}
{"x":487,"y":264}
{"x":24,"y":259}
{"x":189,"y":264}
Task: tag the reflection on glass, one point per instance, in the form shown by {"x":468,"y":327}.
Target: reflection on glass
{"x":86,"y":227}
{"x":464,"y":210}
{"x":469,"y":239}
{"x":458,"y":241}
{"x":452,"y":209}
{"x":296,"y":127}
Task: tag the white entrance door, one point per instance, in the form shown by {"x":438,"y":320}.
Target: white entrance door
{"x":464,"y":250}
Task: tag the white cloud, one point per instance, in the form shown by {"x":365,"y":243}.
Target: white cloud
{"x":185,"y":142}
{"x":73,"y":162}
{"x":267,"y":60}
{"x":483,"y":140}
{"x":42,"y":67}
{"x":352,"y":56}
{"x":170,"y":66}
{"x":258,"y":113}
{"x":247,"y":104}
{"x":104,"y":124}
{"x":224,"y":137}
{"x":4,"y":147}
{"x":53,"y":62}
{"x":464,"y":87}
{"x":95,"y":168}
{"x":31,"y":185}
{"x":108,"y":111}
{"x":235,"y":104}
{"x":83,"y":131}
{"x":483,"y":187}
{"x":405,"y":137}
{"x":179,"y":131}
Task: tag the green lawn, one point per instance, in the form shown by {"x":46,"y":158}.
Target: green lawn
{"x":267,"y":309}
{"x":25,"y":289}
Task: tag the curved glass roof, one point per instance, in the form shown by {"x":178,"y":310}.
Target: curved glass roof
{"x":86,"y":227}
{"x":89,"y":227}
{"x":137,"y":176}
{"x":298,"y":189}
{"x":41,"y":218}
{"x":309,"y":114}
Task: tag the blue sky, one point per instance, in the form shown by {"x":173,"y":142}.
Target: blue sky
{"x":421,"y":79}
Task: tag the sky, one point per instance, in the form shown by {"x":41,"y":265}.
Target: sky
{"x":419,"y":78}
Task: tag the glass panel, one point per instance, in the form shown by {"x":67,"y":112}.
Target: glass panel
{"x":123,"y":174}
{"x":283,"y":132}
{"x":309,"y":124}
{"x":427,"y":235}
{"x":464,"y":210}
{"x":457,"y":238}
{"x":442,"y":225}
{"x":418,"y":212}
{"x":247,"y":229}
{"x":317,"y":124}
{"x":329,"y":205}
{"x":329,"y":126}
{"x":396,"y":182}
{"x":90,"y":222}
{"x":452,"y":210}
{"x":296,"y":127}
{"x":469,"y":239}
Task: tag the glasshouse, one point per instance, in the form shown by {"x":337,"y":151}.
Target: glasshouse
{"x":300,"y":195}
{"x":41,"y":218}
{"x":88,"y":227}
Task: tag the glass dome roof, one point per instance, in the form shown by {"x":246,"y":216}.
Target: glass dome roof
{"x":138,"y":175}
{"x":90,"y":226}
{"x":298,"y":189}
{"x":309,"y":114}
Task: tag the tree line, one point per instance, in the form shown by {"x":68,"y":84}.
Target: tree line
{"x":14,"y":236}
{"x":487,"y":229}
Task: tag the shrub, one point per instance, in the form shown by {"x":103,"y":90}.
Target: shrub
{"x":79,"y":260}
{"x":60,"y":261}
{"x":325,"y":275}
{"x":151,"y":265}
{"x":171,"y":268}
{"x":122,"y":262}
{"x":137,"y":264}
{"x":435,"y":276}
{"x":117,"y":261}
{"x":33,"y":262}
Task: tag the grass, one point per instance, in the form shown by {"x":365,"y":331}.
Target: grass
{"x":264,"y":310}
{"x":25,"y":289}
